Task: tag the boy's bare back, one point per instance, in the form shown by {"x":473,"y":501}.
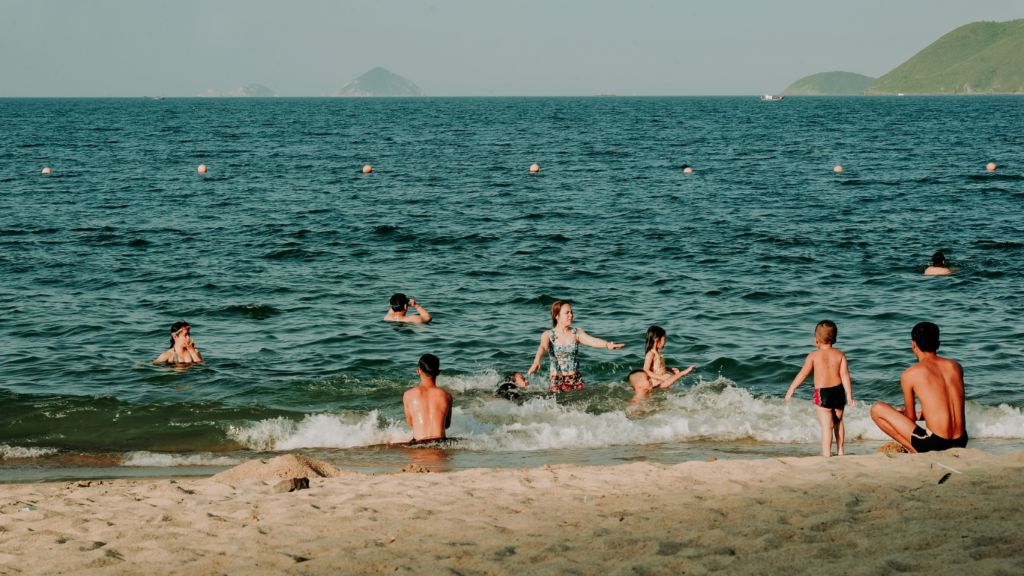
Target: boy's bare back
{"x":428,"y":409}
{"x":827,"y":364}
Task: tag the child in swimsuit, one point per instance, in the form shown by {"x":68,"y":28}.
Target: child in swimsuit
{"x":832,"y":387}
{"x":562,"y":344}
{"x":654,"y":362}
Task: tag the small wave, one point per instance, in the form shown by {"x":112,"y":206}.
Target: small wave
{"x":163,"y":460}
{"x":17,"y":452}
{"x":714,"y":411}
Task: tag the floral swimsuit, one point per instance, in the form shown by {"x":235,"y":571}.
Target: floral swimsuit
{"x":565,"y":367}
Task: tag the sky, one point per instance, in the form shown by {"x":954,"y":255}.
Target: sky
{"x":97,"y":48}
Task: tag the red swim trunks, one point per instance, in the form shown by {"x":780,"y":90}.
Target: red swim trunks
{"x":564,"y":382}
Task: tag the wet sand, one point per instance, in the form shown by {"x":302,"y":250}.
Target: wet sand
{"x":876,"y":514}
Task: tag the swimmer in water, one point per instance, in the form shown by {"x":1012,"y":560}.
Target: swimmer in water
{"x":400,"y":309}
{"x":183,"y":347}
{"x":938,"y":267}
{"x":428,"y":409}
{"x":643,"y":384}
{"x":508,"y":390}
{"x":654,"y":362}
{"x":563,"y":344}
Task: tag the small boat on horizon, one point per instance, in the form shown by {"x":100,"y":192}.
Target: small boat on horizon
{"x":770,"y":98}
{"x":158,"y":97}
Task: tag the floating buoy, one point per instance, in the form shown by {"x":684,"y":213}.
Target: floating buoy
{"x":687,"y":169}
{"x":837,"y":169}
{"x":47,"y":170}
{"x":202,"y":168}
{"x":991,"y":167}
{"x":367,"y":169}
{"x":534,"y":168}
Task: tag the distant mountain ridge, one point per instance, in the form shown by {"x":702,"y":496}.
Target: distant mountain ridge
{"x":978,"y":58}
{"x":379,"y":83}
{"x":249,"y":91}
{"x":830,"y":84}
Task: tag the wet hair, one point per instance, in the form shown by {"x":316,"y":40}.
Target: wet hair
{"x":938,"y":259}
{"x":399,"y":300}
{"x":175,"y":327}
{"x":510,"y":378}
{"x":926,"y":335}
{"x":632,"y":382}
{"x":430,"y":365}
{"x":654,"y":333}
{"x":826,"y":331}
{"x":555,"y":309}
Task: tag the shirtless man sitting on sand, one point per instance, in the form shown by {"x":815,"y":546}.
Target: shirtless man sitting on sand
{"x":400,"y":309}
{"x":939,"y":385}
{"x":428,"y":409}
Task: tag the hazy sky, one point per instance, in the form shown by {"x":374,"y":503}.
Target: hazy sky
{"x":462,"y":47}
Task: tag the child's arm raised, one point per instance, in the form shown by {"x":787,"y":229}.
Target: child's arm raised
{"x":804,"y":373}
{"x":844,"y":375}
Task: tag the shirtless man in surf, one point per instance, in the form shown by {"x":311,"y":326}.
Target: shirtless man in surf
{"x":938,"y":384}
{"x":428,"y":409}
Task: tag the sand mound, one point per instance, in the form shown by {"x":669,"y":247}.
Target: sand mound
{"x":892,"y":447}
{"x":287,"y":466}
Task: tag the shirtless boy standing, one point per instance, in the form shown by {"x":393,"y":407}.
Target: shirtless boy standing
{"x":832,"y":386}
{"x":938,"y":384}
{"x":428,"y":409}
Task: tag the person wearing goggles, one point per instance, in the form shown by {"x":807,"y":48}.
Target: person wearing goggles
{"x":183,"y":347}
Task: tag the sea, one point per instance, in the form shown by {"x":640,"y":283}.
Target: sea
{"x":284,"y":254}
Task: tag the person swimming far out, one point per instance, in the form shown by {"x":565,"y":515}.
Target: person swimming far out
{"x":183,"y":347}
{"x":938,"y":267}
{"x":562,"y":344}
{"x":400,"y":309}
{"x":654,"y":361}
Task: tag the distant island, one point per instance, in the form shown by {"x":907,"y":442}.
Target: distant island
{"x":830,"y":84}
{"x":250,"y":91}
{"x":379,"y":83}
{"x":979,"y":58}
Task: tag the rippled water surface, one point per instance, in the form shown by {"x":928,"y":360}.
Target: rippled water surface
{"x":283,"y":256}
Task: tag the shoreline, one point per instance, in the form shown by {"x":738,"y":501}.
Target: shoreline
{"x":859,"y":514}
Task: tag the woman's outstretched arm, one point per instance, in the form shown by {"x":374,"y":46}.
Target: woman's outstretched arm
{"x":589,"y":340}
{"x":545,"y":341}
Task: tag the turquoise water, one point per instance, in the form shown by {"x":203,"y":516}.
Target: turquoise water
{"x":283,"y":256}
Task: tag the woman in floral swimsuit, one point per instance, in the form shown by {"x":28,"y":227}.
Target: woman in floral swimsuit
{"x":562,"y":344}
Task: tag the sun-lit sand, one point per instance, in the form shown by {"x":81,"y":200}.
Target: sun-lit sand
{"x":877,"y":514}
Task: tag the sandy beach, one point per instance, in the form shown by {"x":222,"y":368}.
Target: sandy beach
{"x":877,"y":514}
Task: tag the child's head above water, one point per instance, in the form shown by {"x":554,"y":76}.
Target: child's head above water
{"x":654,"y":333}
{"x":516,"y":378}
{"x":639,"y":380}
{"x":826,"y":332}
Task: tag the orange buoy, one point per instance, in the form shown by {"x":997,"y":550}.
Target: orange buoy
{"x":991,"y":167}
{"x":687,"y":170}
{"x":202,"y":168}
{"x":837,"y":169}
{"x":534,"y":168}
{"x":367,"y":169}
{"x":46,"y":170}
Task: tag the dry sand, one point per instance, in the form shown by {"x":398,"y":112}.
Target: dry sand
{"x":877,"y":514}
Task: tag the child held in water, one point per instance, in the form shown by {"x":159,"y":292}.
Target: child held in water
{"x":832,"y":387}
{"x":654,"y":362}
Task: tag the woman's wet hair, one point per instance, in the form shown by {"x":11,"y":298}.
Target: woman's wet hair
{"x":926,"y":335}
{"x":654,"y":333}
{"x":938,"y":259}
{"x":826,"y":331}
{"x":556,"y":308}
{"x":399,"y":301}
{"x":175,"y":328}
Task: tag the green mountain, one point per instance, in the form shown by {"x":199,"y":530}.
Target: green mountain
{"x":830,"y":84}
{"x":979,"y":58}
{"x":379,"y":82}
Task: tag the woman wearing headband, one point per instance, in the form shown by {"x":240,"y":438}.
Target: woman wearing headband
{"x":183,"y":347}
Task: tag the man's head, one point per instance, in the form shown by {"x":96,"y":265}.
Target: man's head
{"x":926,"y":336}
{"x":429,"y":365}
{"x":826,"y":332}
{"x":639,"y":380}
{"x":399,"y":302}
{"x":938,"y":260}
